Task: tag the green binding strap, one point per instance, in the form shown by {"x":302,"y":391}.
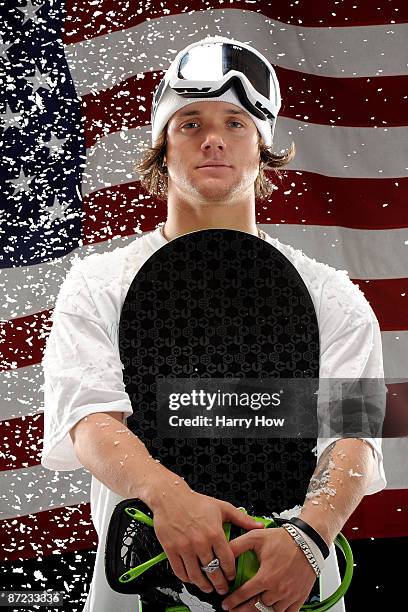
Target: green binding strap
{"x":329,"y":602}
{"x":247,"y":565}
{"x":138,"y":515}
{"x":133,"y":573}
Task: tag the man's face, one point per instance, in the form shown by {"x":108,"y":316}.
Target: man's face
{"x":212,"y":133}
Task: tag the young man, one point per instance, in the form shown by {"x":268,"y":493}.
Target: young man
{"x":207,"y":158}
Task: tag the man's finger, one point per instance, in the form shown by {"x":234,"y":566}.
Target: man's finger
{"x":195,"y":574}
{"x":217,"y":578}
{"x":248,"y":606}
{"x":240,"y":518}
{"x":242,"y":543}
{"x":177,"y":566}
{"x":249,"y":589}
{"x":226,"y":557}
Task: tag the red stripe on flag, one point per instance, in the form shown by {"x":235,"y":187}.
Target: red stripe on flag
{"x":396,"y":414}
{"x":83,"y":24}
{"x":55,"y":531}
{"x":315,"y":199}
{"x":126,"y":105}
{"x":300,"y":197}
{"x":24,"y":340}
{"x":382,"y":515}
{"x":121,"y":210}
{"x":389,"y":300}
{"x":22,"y":440}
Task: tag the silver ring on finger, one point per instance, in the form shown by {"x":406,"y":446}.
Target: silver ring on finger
{"x":262,"y":607}
{"x":211,"y":567}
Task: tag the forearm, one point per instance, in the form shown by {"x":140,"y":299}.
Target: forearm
{"x":120,"y":460}
{"x":338,"y":485}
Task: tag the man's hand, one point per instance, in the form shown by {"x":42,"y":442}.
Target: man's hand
{"x":284,"y":579}
{"x":189,"y":526}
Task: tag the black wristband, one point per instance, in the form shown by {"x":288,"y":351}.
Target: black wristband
{"x":312,"y":533}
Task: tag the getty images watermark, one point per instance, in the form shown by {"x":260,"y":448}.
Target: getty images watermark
{"x":272,"y":408}
{"x":211,"y":401}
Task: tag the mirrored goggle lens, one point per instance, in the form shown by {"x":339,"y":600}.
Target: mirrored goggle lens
{"x":211,"y":62}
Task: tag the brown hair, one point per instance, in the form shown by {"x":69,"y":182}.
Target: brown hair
{"x":153,"y":175}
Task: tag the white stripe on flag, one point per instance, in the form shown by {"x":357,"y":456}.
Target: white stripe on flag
{"x":32,"y":289}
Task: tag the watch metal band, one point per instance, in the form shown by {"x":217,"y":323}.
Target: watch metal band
{"x":312,"y":533}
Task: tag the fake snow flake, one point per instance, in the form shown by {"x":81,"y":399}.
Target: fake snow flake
{"x":356,"y":474}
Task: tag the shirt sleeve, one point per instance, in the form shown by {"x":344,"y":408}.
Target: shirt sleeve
{"x":351,"y":348}
{"x":82,"y":371}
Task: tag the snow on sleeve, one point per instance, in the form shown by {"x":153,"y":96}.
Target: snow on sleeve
{"x":350,"y":348}
{"x":82,"y":371}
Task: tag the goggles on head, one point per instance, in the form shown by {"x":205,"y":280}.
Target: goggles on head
{"x":208,"y":68}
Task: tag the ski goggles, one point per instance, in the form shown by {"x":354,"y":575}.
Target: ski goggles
{"x":207,"y":69}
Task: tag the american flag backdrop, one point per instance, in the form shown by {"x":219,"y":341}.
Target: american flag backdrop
{"x":76,"y":89}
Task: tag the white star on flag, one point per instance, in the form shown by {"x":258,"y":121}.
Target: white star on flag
{"x":54,"y":144}
{"x":22,"y":183}
{"x":29,"y":11}
{"x":10,"y":119}
{"x":39,"y":79}
{"x":56,"y":211}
